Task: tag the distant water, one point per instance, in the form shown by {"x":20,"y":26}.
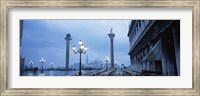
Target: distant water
{"x":54,"y":73}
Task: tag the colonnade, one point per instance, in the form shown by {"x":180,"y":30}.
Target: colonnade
{"x":169,"y":63}
{"x":146,"y":65}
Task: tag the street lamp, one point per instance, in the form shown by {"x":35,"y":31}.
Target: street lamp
{"x":106,"y":60}
{"x":31,"y":63}
{"x":42,"y":61}
{"x":82,"y":49}
{"x":116,"y":64}
{"x":101,"y":66}
{"x":122,"y":66}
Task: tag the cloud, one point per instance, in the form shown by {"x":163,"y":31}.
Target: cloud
{"x":45,"y":38}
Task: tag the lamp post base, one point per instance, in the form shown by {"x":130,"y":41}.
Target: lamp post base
{"x":79,"y":73}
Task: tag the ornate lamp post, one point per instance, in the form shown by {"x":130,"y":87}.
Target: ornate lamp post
{"x":101,"y":66}
{"x":42,"y":61}
{"x":122,"y":66}
{"x":106,"y":60}
{"x":82,"y":49}
{"x":31,"y":63}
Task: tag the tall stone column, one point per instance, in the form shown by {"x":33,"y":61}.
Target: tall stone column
{"x":148,"y":65}
{"x":176,"y":36}
{"x":136,"y":61}
{"x":67,"y":38}
{"x":154,"y":66}
{"x":111,"y":35}
{"x":168,"y":59}
{"x":141,"y":66}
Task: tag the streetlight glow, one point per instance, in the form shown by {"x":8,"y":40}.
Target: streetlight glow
{"x":74,"y":48}
{"x":31,"y":63}
{"x":82,"y":47}
{"x":80,"y":42}
{"x":86,"y":48}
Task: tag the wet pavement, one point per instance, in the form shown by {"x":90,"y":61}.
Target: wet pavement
{"x":110,"y":72}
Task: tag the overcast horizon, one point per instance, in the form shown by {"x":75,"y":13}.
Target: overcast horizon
{"x":45,"y":39}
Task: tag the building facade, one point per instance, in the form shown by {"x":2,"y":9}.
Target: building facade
{"x":155,"y":46}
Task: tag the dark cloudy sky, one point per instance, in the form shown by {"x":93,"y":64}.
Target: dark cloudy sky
{"x":45,"y":39}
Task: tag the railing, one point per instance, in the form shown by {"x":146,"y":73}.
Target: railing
{"x":107,"y":73}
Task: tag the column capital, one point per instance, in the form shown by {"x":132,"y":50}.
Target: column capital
{"x":68,"y":37}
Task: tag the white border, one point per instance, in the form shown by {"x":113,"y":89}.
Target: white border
{"x":183,"y":81}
